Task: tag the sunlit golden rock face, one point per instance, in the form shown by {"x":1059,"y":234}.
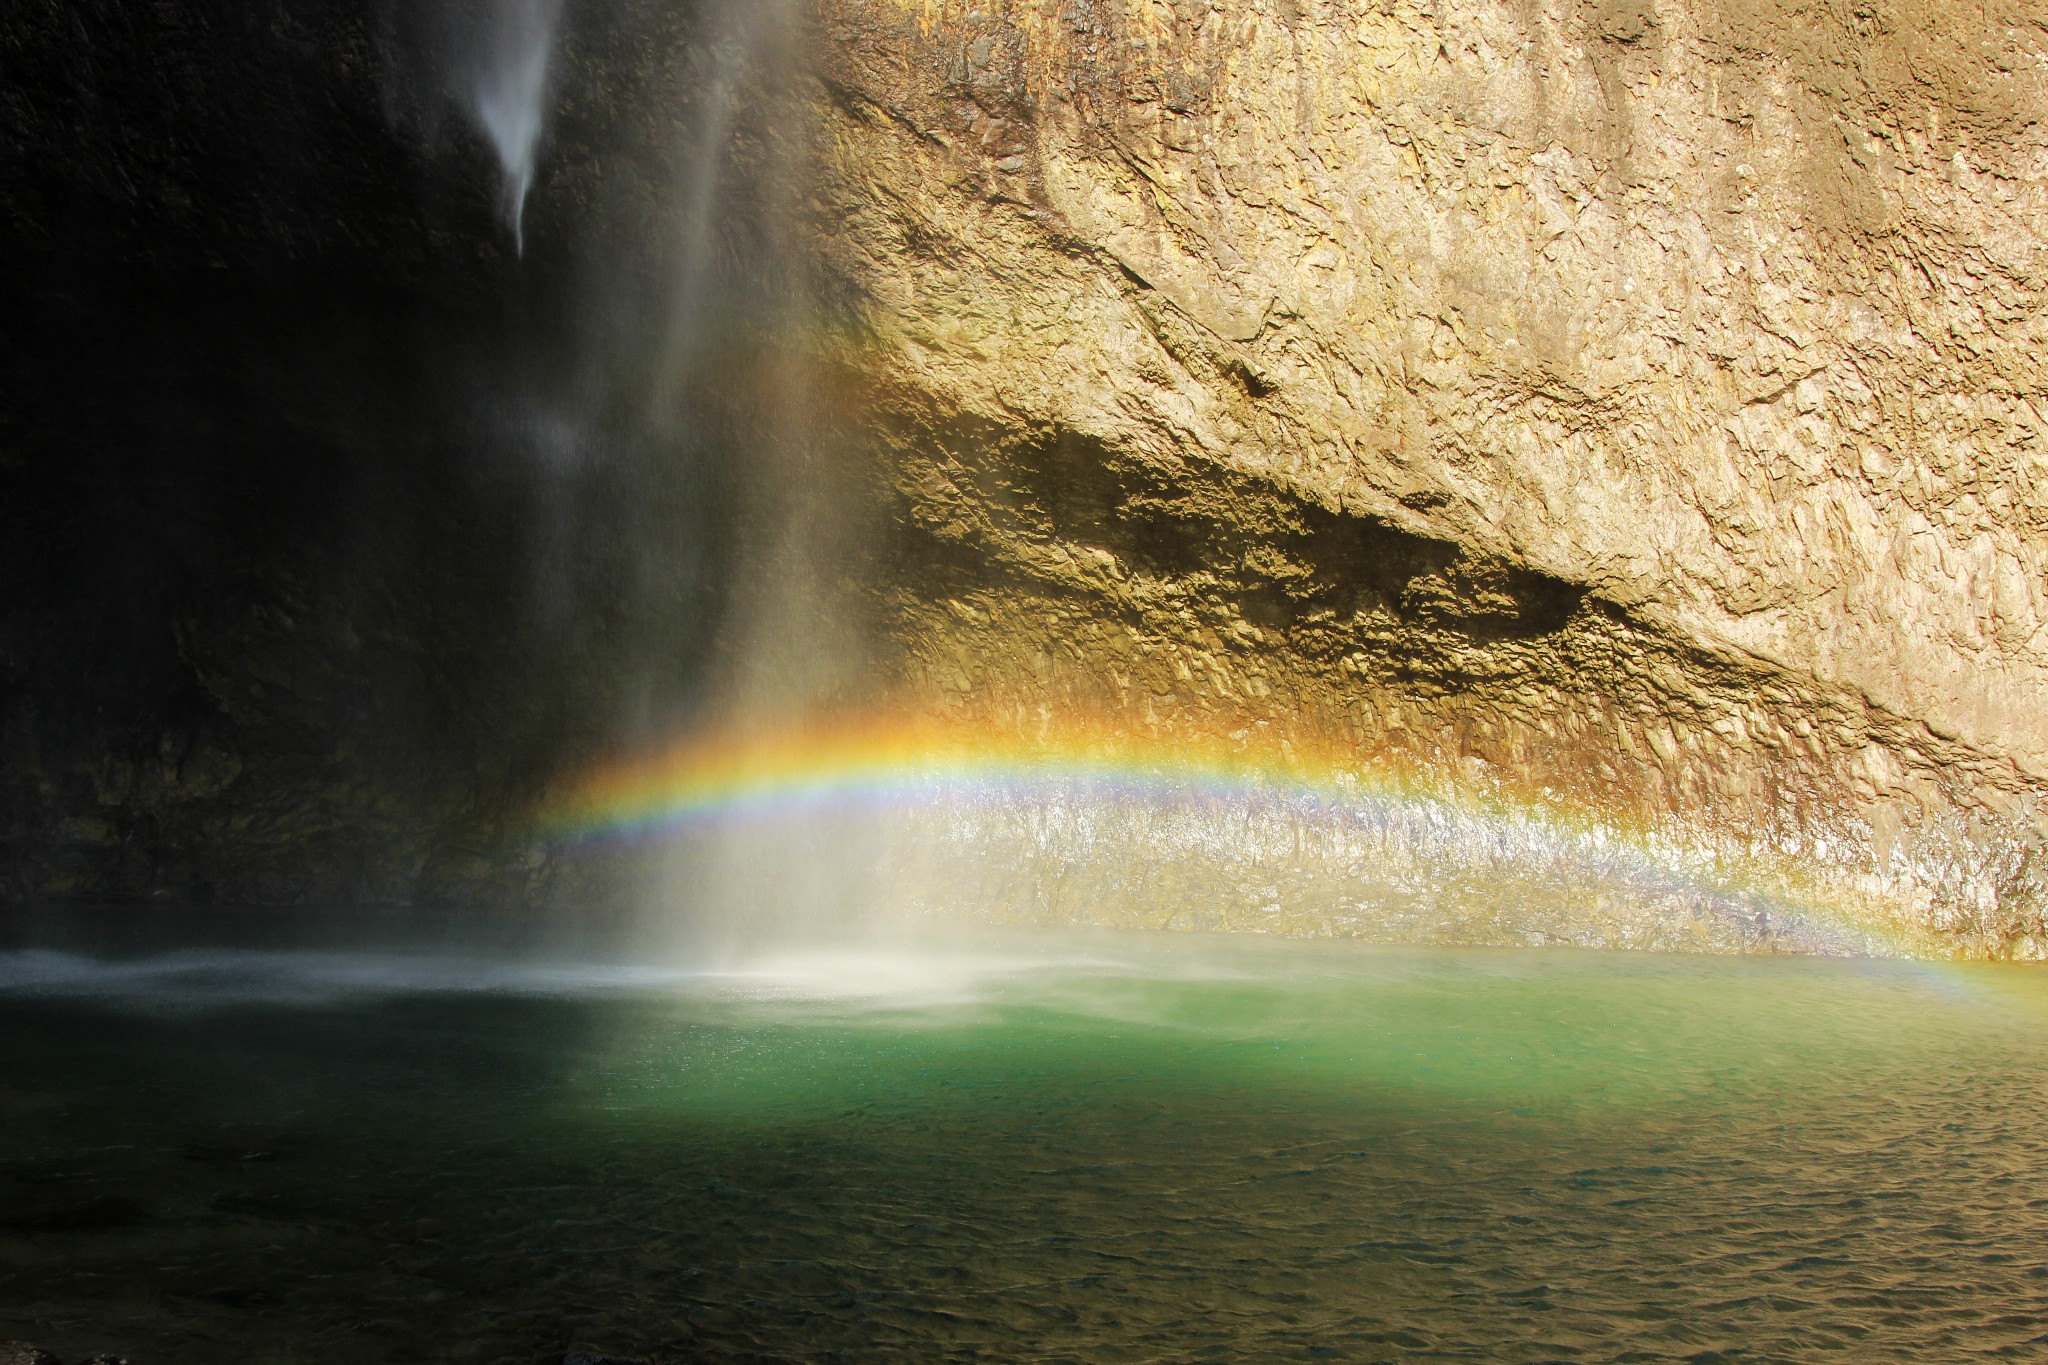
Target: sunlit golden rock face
{"x":1639,"y":403}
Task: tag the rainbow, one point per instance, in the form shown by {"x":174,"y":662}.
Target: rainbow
{"x":888,"y":761}
{"x":877,"y":762}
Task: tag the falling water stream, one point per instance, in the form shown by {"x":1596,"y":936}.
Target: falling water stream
{"x":505,"y":92}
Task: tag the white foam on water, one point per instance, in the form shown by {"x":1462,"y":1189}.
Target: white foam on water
{"x":862,"y":979}
{"x":238,"y":976}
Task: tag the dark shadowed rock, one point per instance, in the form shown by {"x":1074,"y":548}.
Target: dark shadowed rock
{"x":92,"y":1215}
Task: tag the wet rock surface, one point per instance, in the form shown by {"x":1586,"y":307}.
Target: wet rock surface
{"x":311,"y":567}
{"x":21,"y":1353}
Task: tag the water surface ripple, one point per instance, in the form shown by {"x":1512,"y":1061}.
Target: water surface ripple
{"x":1077,"y":1149}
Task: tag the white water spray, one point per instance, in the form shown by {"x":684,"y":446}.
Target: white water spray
{"x":506,"y":90}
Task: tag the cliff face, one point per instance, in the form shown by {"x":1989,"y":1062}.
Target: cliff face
{"x":1641,"y":403}
{"x":1629,"y":408}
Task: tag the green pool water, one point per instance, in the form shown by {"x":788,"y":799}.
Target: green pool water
{"x":1083,"y":1148}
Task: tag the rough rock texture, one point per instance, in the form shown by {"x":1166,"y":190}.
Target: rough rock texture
{"x":1640,"y":403}
{"x":1632,"y":408}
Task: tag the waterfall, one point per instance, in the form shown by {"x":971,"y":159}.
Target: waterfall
{"x":506,"y":94}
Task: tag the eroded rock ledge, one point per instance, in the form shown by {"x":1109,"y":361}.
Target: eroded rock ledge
{"x":1640,"y":404}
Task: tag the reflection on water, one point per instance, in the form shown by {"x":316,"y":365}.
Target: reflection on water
{"x":1075,"y":1147}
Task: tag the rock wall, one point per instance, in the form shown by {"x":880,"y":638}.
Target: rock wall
{"x":1642,"y":404}
{"x":330,"y":525}
{"x":1629,"y":408}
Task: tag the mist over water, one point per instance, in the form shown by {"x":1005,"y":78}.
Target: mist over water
{"x":1419,"y":873}
{"x":709,"y":333}
{"x":951,"y":971}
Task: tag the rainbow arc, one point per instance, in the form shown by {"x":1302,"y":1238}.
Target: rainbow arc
{"x":881,"y":762}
